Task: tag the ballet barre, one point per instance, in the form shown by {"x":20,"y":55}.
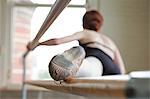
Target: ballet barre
{"x":117,"y":87}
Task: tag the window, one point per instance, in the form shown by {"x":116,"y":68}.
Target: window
{"x":28,"y":16}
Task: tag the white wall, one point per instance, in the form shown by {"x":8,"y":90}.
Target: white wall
{"x":126,"y":22}
{"x":4,"y":42}
{"x":149,"y":35}
{"x":0,"y":42}
{"x":93,"y":4}
{"x":0,"y":25}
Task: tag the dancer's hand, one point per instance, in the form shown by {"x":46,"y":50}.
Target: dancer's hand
{"x":32,"y":46}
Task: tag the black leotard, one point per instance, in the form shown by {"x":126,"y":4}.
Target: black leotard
{"x":109,"y":67}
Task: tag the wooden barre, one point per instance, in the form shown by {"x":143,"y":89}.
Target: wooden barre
{"x":106,"y":89}
{"x":118,"y":87}
{"x":87,"y":87}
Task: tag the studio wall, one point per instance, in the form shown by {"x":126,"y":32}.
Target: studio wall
{"x":126,"y":22}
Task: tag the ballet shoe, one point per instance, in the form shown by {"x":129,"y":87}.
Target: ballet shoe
{"x":66,"y":64}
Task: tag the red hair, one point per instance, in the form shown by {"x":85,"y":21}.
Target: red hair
{"x":92,"y":20}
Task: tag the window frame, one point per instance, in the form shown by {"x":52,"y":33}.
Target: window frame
{"x":7,"y":38}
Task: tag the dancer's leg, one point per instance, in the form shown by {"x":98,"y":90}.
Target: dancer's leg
{"x":90,"y":67}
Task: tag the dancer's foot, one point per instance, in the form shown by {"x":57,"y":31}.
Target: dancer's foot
{"x":67,"y":64}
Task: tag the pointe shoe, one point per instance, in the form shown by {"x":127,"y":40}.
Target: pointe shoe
{"x":66,"y":65}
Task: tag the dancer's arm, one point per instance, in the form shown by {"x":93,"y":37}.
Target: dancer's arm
{"x":57,"y":41}
{"x":119,"y":61}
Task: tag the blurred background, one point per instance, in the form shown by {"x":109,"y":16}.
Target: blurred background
{"x":127,"y":22}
